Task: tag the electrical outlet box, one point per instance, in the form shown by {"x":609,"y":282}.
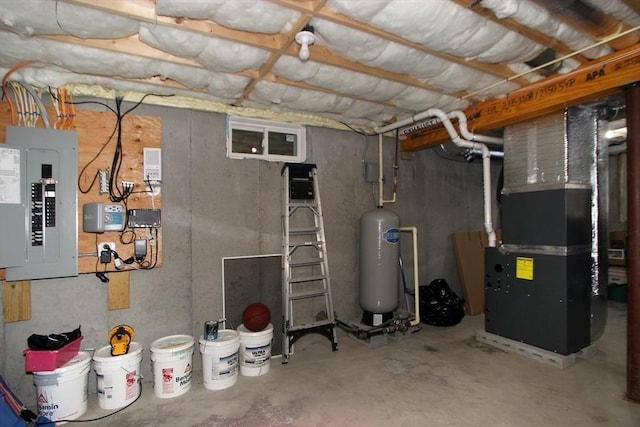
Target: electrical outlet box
{"x":101,"y":246}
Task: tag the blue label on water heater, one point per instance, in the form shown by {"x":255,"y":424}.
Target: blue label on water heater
{"x":392,"y":236}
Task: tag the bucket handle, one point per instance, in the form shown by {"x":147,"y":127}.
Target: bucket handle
{"x":138,"y":377}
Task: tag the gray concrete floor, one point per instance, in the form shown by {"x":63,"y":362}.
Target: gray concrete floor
{"x":434,"y":377}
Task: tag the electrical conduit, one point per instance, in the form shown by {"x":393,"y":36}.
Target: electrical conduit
{"x":381,"y":200}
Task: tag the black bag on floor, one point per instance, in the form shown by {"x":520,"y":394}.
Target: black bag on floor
{"x":439,"y":305}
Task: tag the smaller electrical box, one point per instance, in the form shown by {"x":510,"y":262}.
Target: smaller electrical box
{"x":141,"y":218}
{"x":99,"y":217}
{"x":152,"y":168}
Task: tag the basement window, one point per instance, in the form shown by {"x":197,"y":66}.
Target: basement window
{"x":249,"y":138}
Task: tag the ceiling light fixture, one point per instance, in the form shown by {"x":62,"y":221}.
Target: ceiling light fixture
{"x":304,"y":38}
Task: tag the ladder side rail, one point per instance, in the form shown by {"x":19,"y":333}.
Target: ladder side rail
{"x":324,"y":253}
{"x":286,"y":272}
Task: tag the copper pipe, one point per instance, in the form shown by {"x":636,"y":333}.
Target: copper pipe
{"x":633,"y":246}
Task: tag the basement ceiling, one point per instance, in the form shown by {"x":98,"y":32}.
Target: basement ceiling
{"x":373,"y":61}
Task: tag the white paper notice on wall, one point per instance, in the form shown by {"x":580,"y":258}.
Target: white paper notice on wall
{"x":152,"y":164}
{"x":10,"y":175}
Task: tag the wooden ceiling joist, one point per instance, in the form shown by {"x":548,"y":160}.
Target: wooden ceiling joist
{"x":513,"y":25}
{"x":581,"y":16}
{"x":498,"y":70}
{"x":592,"y":81}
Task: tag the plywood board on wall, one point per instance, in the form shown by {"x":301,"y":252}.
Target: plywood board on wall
{"x":96,"y":147}
{"x":118,"y":290}
{"x":16,"y":301}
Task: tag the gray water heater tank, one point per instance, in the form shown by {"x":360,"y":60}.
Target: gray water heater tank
{"x":379,"y":265}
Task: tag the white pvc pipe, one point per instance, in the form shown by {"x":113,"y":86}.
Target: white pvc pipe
{"x":486,"y":180}
{"x":416,"y":299}
{"x":486,"y":159}
{"x":412,"y":119}
{"x":469,"y":136}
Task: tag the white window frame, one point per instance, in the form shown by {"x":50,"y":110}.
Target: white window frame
{"x":264,"y":127}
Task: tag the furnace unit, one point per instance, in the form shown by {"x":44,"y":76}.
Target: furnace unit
{"x":543,"y":283}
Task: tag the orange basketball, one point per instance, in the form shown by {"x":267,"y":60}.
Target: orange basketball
{"x":256,"y":317}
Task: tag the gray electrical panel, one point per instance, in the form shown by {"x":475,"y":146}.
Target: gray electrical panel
{"x":39,"y":231}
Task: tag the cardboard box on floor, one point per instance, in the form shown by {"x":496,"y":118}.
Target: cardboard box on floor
{"x":469,"y":249}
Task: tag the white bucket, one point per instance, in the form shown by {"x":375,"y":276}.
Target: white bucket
{"x":220,"y":360}
{"x":117,"y":376}
{"x":62,"y":393}
{"x":255,"y":351}
{"x":171,"y":358}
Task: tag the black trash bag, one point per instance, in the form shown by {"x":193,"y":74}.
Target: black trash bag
{"x":439,"y":305}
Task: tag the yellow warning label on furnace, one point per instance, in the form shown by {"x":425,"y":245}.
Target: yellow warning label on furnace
{"x":524,"y":268}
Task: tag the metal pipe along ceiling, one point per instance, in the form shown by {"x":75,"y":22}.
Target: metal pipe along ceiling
{"x":633,"y":263}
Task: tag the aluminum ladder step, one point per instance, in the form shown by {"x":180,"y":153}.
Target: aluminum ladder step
{"x":307,"y":243}
{"x":303,"y":326}
{"x":303,"y":231}
{"x":302,"y":279}
{"x":306,"y":262}
{"x":308,"y":294}
{"x":305,"y":204}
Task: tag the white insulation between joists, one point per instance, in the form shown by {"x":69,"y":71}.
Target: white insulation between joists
{"x":376,"y":52}
{"x":536,"y":17}
{"x":215,"y":54}
{"x":58,"y":77}
{"x":247,"y":15}
{"x":617,"y":9}
{"x":201,"y":66}
{"x":472,"y":36}
{"x":287,"y":98}
{"x":34,"y":17}
{"x":96,"y":62}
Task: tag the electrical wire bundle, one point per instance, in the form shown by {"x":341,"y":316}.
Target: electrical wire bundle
{"x":65,"y":111}
{"x":27,"y":109}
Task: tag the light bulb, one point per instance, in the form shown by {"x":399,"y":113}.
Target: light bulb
{"x":304,"y":52}
{"x":304,"y":38}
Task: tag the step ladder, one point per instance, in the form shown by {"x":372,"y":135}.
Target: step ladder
{"x":306,"y":288}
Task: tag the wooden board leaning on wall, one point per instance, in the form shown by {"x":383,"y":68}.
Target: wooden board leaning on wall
{"x":94,"y":131}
